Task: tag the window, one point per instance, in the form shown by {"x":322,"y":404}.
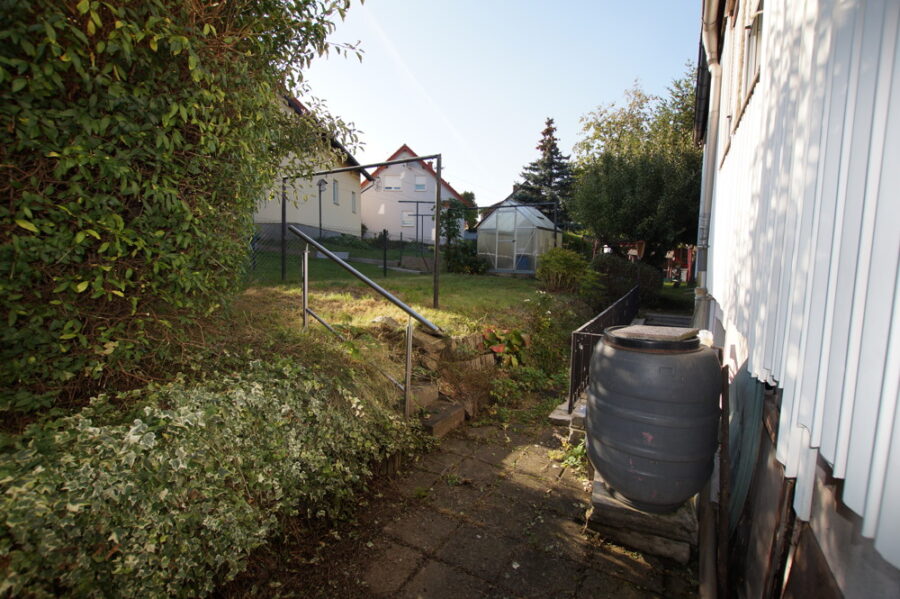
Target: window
{"x":406,"y":219}
{"x":751,"y":61}
{"x":334,"y":192}
{"x":420,"y":183}
{"x":391,"y":183}
{"x":353,"y":202}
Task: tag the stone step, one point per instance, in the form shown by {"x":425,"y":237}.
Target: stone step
{"x":442,"y":417}
{"x":423,"y":394}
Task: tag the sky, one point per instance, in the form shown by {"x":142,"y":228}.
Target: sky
{"x":474,"y":81}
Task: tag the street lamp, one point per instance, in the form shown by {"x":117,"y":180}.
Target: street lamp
{"x":321,"y":183}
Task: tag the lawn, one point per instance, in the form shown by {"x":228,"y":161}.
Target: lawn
{"x":467,"y":302}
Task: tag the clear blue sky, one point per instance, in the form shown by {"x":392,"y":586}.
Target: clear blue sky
{"x":474,"y":80}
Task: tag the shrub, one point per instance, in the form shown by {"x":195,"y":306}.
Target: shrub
{"x":462,"y":257}
{"x":564,"y":270}
{"x":170,"y":500}
{"x":618,"y":275}
{"x":137,"y":139}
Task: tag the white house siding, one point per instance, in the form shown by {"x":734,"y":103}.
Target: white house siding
{"x":303,"y":204}
{"x":805,"y":239}
{"x":382,"y":208}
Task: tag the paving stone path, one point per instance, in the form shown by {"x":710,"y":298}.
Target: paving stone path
{"x":491,"y":514}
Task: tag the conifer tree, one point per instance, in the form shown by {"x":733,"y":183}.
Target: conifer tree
{"x":549,"y":178}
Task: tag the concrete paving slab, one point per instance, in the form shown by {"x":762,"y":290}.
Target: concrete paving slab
{"x":597,"y":585}
{"x":421,"y":528}
{"x":441,"y":581}
{"x":438,"y":462}
{"x":416,"y":484}
{"x":478,"y":551}
{"x":393,"y":566}
{"x":533,"y":573}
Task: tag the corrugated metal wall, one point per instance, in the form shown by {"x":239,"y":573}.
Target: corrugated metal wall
{"x":805,"y":240}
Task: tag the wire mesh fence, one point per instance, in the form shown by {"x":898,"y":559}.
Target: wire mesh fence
{"x":275,"y":258}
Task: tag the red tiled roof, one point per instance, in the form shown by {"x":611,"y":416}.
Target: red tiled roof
{"x":425,"y":165}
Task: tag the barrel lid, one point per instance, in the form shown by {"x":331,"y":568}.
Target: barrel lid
{"x":653,"y":338}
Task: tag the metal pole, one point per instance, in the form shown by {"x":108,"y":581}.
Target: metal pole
{"x":283,"y":229}
{"x":407,"y":398}
{"x":384,"y":237}
{"x":305,"y":286}
{"x":378,"y":288}
{"x":321,"y":189}
{"x":437,"y":234}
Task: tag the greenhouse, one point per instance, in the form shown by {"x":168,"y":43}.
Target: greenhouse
{"x":512,"y":236}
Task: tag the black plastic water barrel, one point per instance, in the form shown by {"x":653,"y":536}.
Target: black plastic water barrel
{"x":652,"y":417}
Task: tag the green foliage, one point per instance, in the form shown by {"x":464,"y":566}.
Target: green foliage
{"x":137,"y":139}
{"x":564,"y":270}
{"x":471,"y":216}
{"x":453,"y":217}
{"x":549,"y":178}
{"x":549,"y":322}
{"x":170,"y":499}
{"x":618,"y":275}
{"x":463,"y":258}
{"x":638,"y":175}
{"x":507,"y":345}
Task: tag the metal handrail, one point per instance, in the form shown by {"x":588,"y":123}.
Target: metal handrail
{"x":411,"y":314}
{"x":585,"y":337}
{"x":378,"y":288}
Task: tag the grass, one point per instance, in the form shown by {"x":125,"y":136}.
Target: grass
{"x":467,"y":302}
{"x":677,"y":300}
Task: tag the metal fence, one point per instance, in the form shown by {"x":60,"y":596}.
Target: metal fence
{"x":584,"y":338}
{"x":273,"y":260}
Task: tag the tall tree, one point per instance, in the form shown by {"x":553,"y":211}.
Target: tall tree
{"x":638,"y":171}
{"x":471,"y":209}
{"x":549,"y":178}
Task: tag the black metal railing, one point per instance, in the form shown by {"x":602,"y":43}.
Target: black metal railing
{"x":585,"y":337}
{"x":412,"y":314}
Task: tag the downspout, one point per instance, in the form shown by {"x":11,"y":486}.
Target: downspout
{"x":710,"y":39}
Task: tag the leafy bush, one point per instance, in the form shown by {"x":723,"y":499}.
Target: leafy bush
{"x":507,"y":345}
{"x":462,"y":257}
{"x":564,"y":270}
{"x":171,"y":499}
{"x":618,"y":275}
{"x":137,"y":139}
{"x":550,"y":321}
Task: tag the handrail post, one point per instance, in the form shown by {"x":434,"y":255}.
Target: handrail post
{"x":305,"y":286}
{"x":407,"y":398}
{"x":437,"y":234}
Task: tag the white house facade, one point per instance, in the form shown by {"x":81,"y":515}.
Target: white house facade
{"x":334,"y":205}
{"x":801,"y":206}
{"x":401,"y":199}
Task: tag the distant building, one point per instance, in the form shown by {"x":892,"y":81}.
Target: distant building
{"x":340,"y":198}
{"x":400,"y":198}
{"x":512,"y":236}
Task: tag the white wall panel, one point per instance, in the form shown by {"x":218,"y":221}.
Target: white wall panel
{"x":805,"y":242}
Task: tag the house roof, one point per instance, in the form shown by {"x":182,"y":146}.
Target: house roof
{"x":302,"y":110}
{"x":405,"y":148}
{"x":531,"y":214}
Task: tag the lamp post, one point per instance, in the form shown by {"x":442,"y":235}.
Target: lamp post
{"x":321,"y":183}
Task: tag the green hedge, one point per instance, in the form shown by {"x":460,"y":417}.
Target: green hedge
{"x":619,"y":275}
{"x":169,"y":501}
{"x":136,"y":139}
